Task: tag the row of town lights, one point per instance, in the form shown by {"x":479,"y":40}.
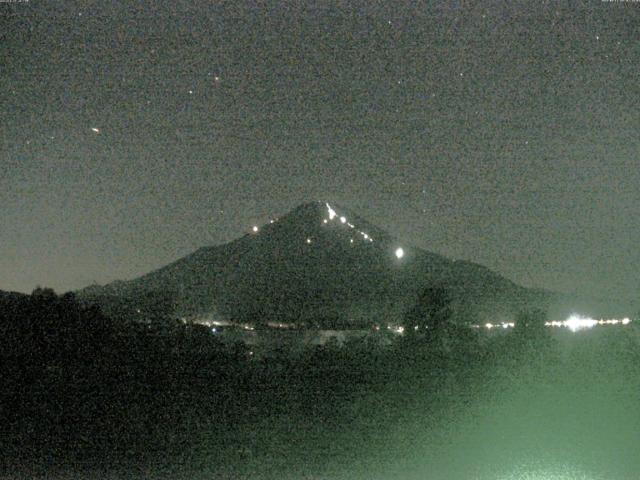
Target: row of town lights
{"x":578,"y":322}
{"x":573,"y":323}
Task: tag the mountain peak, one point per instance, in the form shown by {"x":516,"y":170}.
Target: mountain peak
{"x":317,"y":262}
{"x":330,"y":217}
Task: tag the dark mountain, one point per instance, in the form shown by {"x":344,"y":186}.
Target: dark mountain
{"x":319,"y":263}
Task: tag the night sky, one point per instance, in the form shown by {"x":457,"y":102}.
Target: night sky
{"x":506,"y":133}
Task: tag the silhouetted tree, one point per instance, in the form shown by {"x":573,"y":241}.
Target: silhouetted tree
{"x":530,"y":336}
{"x":45,"y":327}
{"x":431,"y":313}
{"x":43,"y":294}
{"x":531,"y":322}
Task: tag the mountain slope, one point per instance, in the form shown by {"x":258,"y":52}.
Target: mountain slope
{"x":318,"y":263}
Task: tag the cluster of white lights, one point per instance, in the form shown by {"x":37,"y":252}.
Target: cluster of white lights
{"x":256,"y":229}
{"x":398,"y":329}
{"x":577,"y":322}
{"x":399,"y":252}
{"x":280,"y":325}
{"x":503,"y":325}
{"x":343,"y":220}
{"x":573,"y":323}
{"x":489,"y":326}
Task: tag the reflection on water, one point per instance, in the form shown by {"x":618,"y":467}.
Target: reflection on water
{"x":534,"y":472}
{"x":572,"y":413}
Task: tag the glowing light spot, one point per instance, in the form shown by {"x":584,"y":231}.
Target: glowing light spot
{"x":365,"y":235}
{"x":255,"y":229}
{"x":625,"y":321}
{"x":308,"y":240}
{"x":351,"y":241}
{"x":576,"y":322}
{"x":343,"y":220}
{"x":489,"y":326}
{"x":325,"y":221}
{"x":332,"y":212}
{"x":96,"y":130}
{"x":399,"y":252}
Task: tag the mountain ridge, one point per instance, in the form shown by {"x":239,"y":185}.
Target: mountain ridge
{"x":320,"y":261}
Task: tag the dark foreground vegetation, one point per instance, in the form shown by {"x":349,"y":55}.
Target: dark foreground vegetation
{"x":87,"y":397}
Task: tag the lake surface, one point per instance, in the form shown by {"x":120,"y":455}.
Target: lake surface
{"x":564,"y":409}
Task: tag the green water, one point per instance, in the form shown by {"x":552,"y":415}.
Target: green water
{"x":570,"y":410}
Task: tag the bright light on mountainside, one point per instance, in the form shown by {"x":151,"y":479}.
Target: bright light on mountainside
{"x":332,"y":212}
